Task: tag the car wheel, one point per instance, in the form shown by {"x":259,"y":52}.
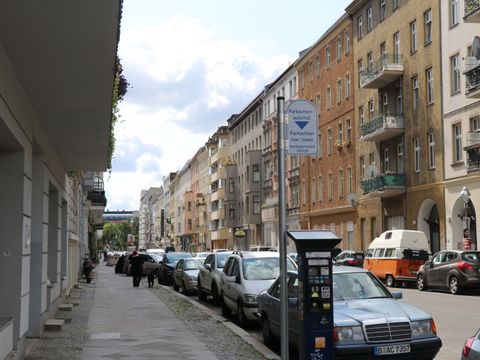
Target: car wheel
{"x":175,"y":286}
{"x":242,"y":319}
{"x":215,"y":294}
{"x":453,"y":285}
{"x":226,"y":312}
{"x":184,"y":288}
{"x":421,"y":283}
{"x":390,"y":281}
{"x":268,"y":338}
{"x":202,"y":296}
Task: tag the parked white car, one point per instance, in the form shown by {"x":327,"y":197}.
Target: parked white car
{"x":209,"y":276}
{"x":244,"y":276}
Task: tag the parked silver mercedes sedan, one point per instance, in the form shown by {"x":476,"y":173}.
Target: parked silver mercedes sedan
{"x":370,"y":322}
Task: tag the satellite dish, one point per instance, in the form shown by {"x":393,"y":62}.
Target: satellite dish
{"x":371,"y":171}
{"x":352,"y":199}
{"x":476,"y":47}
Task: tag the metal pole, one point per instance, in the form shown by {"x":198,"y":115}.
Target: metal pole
{"x":281,"y":124}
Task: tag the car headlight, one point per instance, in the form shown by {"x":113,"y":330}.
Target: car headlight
{"x":348,"y":335}
{"x":252,"y":299}
{"x":423,"y":328}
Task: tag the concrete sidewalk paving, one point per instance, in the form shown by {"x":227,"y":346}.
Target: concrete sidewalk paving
{"x":114,"y":320}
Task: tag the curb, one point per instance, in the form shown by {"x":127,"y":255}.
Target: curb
{"x":244,"y":335}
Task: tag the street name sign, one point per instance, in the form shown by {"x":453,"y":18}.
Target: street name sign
{"x":302,"y":128}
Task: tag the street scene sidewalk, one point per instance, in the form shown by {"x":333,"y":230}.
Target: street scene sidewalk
{"x":114,"y":320}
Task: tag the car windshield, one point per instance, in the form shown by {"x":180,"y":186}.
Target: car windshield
{"x":193,"y":264}
{"x":202,"y":254}
{"x":174,"y":257}
{"x":471,"y":256}
{"x":357,"y":286}
{"x":264,"y":268}
{"x":221,"y":259}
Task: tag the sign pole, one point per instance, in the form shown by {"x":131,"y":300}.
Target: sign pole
{"x":281,"y":125}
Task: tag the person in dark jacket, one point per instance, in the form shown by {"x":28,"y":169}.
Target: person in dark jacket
{"x":136,"y":267}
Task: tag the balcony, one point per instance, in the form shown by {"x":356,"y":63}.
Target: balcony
{"x":382,"y":72}
{"x":472,"y":77}
{"x":473,"y":151}
{"x":472,"y":11}
{"x":217,"y":195}
{"x":384,"y":186}
{"x":217,"y":175}
{"x":220,"y":234}
{"x":217,"y":214}
{"x":382,"y":127}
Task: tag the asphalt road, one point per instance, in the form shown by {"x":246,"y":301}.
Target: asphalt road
{"x":457,"y":317}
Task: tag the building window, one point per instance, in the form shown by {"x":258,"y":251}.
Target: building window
{"x":361,"y":114}
{"x":429,"y":79}
{"x":341,"y":184}
{"x":329,"y":98}
{"x":330,"y":142}
{"x":383,"y":50}
{"x":349,"y":130}
{"x":455,"y":74}
{"x":320,"y":188}
{"x":386,"y":161}
{"x":362,"y":167}
{"x":400,"y":161}
{"x":457,"y":147}
{"x":231,"y":211}
{"x":396,"y":4}
{"x":360,"y":70}
{"x":330,"y":187}
{"x":396,"y":49}
{"x":348,"y":86}
{"x":320,"y":145}
{"x":318,"y":101}
{"x":339,"y":91}
{"x":347,"y":42}
{"x":453,"y":12}
{"x":304,"y":193}
{"x":371,"y":158}
{"x":369,"y":19}
{"x":427,"y":16}
{"x":475,"y":123}
{"x":327,"y":57}
{"x":256,"y":172}
{"x":317,"y":66}
{"x":371,"y":109}
{"x":339,"y":49}
{"x":359,"y":27}
{"x":314,"y":190}
{"x":340,"y":132}
{"x":302,"y":86}
{"x":431,"y":150}
{"x":415,"y":93}
{"x":312,"y":76}
{"x":256,"y":204}
{"x":350,"y":180}
{"x":416,"y":154}
{"x":413,"y":36}
{"x":383,"y":9}
{"x":231,"y":185}
{"x":370,"y":61}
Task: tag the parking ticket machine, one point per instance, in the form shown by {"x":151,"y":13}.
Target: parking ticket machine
{"x":315,"y":309}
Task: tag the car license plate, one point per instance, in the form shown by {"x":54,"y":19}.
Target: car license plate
{"x":392,"y":349}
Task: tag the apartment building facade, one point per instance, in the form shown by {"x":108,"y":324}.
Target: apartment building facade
{"x":246,"y":154}
{"x":398,"y":107}
{"x":328,"y":192}
{"x":148,"y":235}
{"x":200,"y":184}
{"x":461,"y":119}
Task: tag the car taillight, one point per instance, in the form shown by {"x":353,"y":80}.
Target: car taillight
{"x":467,"y":347}
{"x":465,"y":266}
{"x":352,"y":262}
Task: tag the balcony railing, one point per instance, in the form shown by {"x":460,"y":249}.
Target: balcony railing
{"x":472,"y":77}
{"x":385,"y":185}
{"x":473,"y":151}
{"x":472,"y":11}
{"x":382,"y":127}
{"x":382,"y":72}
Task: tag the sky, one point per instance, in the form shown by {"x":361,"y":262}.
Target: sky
{"x":191,"y":64}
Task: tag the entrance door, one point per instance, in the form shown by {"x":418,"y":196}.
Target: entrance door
{"x":433,"y":222}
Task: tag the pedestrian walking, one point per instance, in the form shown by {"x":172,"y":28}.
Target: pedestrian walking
{"x":136,"y":267}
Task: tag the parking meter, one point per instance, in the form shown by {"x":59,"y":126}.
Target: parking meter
{"x":315,"y":308}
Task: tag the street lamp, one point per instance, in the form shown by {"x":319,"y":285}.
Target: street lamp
{"x":467,"y":239}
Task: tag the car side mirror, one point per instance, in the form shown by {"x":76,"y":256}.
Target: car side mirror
{"x":397,"y":295}
{"x":208,"y":267}
{"x":292,"y":302}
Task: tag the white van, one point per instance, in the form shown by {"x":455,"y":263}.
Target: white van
{"x":396,"y":255}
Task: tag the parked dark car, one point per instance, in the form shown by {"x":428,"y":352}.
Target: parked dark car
{"x":151,"y":263}
{"x":350,"y":258}
{"x":471,"y":349}
{"x":362,"y":305}
{"x":167,"y":264}
{"x":452,"y":270}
